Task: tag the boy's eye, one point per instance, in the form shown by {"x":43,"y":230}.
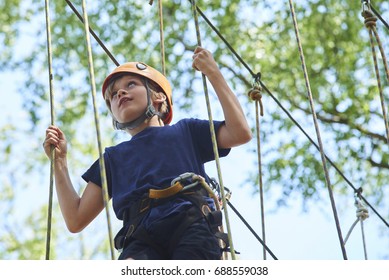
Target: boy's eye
{"x":130,"y":83}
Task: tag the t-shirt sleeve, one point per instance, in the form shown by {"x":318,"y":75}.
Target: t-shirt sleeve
{"x":202,"y":134}
{"x":93,"y":174}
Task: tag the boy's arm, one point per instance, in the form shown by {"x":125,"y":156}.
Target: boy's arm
{"x":236,"y":130}
{"x":77,"y":211}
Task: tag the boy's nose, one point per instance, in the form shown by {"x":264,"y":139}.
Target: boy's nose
{"x":122,"y":92}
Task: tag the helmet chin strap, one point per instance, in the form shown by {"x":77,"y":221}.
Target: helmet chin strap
{"x":148,"y":114}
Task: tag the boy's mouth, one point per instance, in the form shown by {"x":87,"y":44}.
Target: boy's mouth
{"x":123,"y":100}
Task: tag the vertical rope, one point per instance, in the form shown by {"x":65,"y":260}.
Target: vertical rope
{"x":260,"y":181}
{"x":96,"y":117}
{"x":322,"y":154}
{"x":161,"y":36}
{"x":362,"y":214}
{"x":363,"y":240}
{"x":52,"y":110}
{"x":255,"y":94}
{"x":213,"y":136}
{"x":370,"y":23}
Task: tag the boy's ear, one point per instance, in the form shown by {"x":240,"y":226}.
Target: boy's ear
{"x":159,"y":97}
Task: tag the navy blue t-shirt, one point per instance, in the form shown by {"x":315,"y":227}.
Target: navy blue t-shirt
{"x":152,"y":159}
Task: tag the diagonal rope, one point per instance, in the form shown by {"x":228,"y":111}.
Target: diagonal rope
{"x":252,"y":230}
{"x":255,"y":95}
{"x":370,"y":23}
{"x":379,"y":16}
{"x":323,"y":158}
{"x":213,"y":136}
{"x":52,"y":115}
{"x":96,"y":117}
{"x":70,"y":4}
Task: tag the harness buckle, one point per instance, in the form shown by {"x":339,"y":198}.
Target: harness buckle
{"x":144,"y":204}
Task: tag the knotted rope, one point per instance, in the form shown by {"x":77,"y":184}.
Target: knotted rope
{"x":255,"y":94}
{"x":370,"y":23}
{"x":362,"y":214}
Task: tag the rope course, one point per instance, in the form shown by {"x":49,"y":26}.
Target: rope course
{"x":254,"y":94}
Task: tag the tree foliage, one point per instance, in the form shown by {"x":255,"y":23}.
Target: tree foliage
{"x":336,"y":49}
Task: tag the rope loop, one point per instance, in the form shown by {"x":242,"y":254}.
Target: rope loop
{"x":257,"y":77}
{"x":370,"y":19}
{"x":255,"y":93}
{"x":362,"y":211}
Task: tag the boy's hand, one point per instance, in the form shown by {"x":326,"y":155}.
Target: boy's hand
{"x":203,"y":61}
{"x":55,"y":137}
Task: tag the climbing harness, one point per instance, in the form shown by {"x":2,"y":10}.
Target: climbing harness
{"x":370,"y":23}
{"x":52,"y":110}
{"x":188,"y":186}
{"x":323,"y":158}
{"x":362,"y":214}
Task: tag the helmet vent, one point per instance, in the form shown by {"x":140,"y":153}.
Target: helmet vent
{"x":141,"y":66}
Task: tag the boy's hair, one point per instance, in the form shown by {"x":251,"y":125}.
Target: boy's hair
{"x":155,"y":92}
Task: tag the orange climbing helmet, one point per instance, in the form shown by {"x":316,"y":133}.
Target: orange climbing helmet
{"x":142,"y":69}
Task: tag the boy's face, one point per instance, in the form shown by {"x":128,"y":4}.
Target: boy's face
{"x":128,"y":98}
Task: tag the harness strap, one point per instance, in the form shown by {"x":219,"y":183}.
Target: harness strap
{"x":165,"y":193}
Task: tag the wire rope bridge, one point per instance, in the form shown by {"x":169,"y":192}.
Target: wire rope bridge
{"x":255,"y":94}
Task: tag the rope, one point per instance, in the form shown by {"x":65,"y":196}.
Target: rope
{"x":370,"y":23}
{"x":52,"y":115}
{"x":252,"y":230}
{"x":379,"y":16}
{"x":213,"y":137}
{"x":255,"y":95}
{"x":96,"y":117}
{"x":362,"y":214}
{"x":323,"y":158}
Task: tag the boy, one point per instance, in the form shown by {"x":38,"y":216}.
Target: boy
{"x":159,"y":222}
